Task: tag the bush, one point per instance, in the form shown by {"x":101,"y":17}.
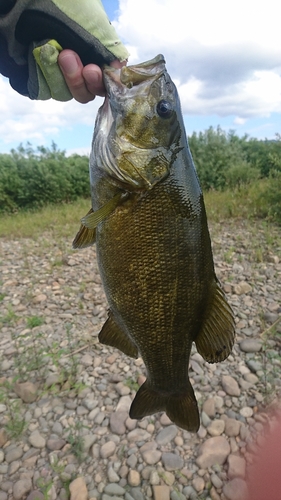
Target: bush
{"x":32,"y":179}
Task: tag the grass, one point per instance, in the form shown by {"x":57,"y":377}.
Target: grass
{"x":63,"y":220}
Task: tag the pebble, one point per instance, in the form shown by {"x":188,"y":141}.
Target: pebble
{"x":216,"y":427}
{"x":21,"y":488}
{"x":107,"y":449}
{"x":171,"y":461}
{"x":37,"y":440}
{"x":161,"y":492}
{"x":236,"y":489}
{"x":166,"y":435}
{"x":230,"y":386}
{"x":250,"y":345}
{"x":213,"y":451}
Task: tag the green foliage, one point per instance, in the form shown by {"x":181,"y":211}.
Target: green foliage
{"x":32,"y":179}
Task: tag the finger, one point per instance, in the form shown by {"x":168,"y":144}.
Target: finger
{"x":72,"y":69}
{"x":92,"y":75}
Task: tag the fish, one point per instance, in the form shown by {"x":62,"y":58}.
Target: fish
{"x":153,"y":246}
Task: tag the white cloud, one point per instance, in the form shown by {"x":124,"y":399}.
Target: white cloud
{"x":36,"y":121}
{"x":224,"y":57}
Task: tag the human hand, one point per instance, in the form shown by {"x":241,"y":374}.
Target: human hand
{"x":84,"y":82}
{"x":32,"y":35}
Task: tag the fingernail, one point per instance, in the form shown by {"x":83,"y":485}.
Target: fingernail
{"x":69,"y":64}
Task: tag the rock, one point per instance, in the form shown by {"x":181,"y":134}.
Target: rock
{"x":232,"y":427}
{"x":171,"y":461}
{"x":78,"y":489}
{"x":122,"y":389}
{"x":37,"y":440}
{"x":3,"y":437}
{"x":216,"y":481}
{"x":124,"y":404}
{"x":166,"y":435}
{"x":21,"y":488}
{"x":117,"y":422}
{"x":246,"y":412}
{"x":154,"y":478}
{"x":39,"y":298}
{"x":86,"y":360}
{"x":138,"y":435}
{"x":254,"y":366}
{"x":216,"y":427}
{"x":198,"y":484}
{"x":2,"y":456}
{"x":114,"y":489}
{"x":13,"y":454}
{"x":112,"y":476}
{"x":250,"y":345}
{"x":151,"y":457}
{"x":132,"y":461}
{"x":213,"y":451}
{"x":251,"y":378}
{"x":134,"y":478}
{"x":35,"y":495}
{"x":230,"y":386}
{"x":54,"y":444}
{"x":209,"y":407}
{"x":88,"y":441}
{"x":27,"y":391}
{"x":107,"y":449}
{"x":236,"y":466}
{"x":242,"y":287}
{"x":161,"y":492}
{"x":236,"y":489}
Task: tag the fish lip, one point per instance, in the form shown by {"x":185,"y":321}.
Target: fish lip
{"x":119,"y":80}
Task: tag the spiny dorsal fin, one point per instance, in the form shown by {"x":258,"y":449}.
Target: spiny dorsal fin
{"x":216,"y":338}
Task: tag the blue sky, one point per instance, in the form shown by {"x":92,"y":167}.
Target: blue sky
{"x":225,"y":61}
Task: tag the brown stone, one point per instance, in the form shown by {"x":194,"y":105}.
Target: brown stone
{"x":78,"y":489}
{"x":27,"y":391}
{"x":161,"y":492}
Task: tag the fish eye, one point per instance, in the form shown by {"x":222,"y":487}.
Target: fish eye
{"x":164,"y":109}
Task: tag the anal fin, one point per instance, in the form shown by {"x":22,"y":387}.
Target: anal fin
{"x":216,"y":338}
{"x":111,"y":334}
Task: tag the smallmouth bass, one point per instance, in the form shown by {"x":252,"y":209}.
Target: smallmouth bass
{"x":153,"y":246}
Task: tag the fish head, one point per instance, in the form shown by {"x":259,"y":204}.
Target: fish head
{"x":138,"y":130}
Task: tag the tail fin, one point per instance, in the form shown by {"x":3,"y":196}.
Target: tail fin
{"x":181,"y":408}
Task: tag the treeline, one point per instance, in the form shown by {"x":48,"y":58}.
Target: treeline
{"x":30,"y":179}
{"x":33,"y":178}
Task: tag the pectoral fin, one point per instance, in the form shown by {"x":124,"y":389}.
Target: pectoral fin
{"x":92,"y":219}
{"x":85,"y":237}
{"x":216,"y":338}
{"x":111,"y":334}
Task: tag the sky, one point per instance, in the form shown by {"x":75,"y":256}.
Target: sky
{"x":225,"y":58}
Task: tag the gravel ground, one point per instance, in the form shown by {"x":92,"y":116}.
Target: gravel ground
{"x":64,"y":398}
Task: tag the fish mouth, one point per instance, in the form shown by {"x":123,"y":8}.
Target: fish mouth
{"x":118,"y":81}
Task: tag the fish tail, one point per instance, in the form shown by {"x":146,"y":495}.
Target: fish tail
{"x":181,"y":408}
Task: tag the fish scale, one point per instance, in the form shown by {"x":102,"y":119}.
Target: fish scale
{"x":153,"y":246}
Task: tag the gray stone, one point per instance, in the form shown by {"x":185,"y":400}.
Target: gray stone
{"x":209,"y":407}
{"x":114,"y":489}
{"x":117,"y":422}
{"x":236,"y":489}
{"x":177,"y":495}
{"x":216,"y":481}
{"x":151,"y":457}
{"x":54,"y":444}
{"x":112,"y":476}
{"x":230,"y":386}
{"x":236,"y":466}
{"x":166,"y":435}
{"x":232,"y":427}
{"x":190,"y":492}
{"x":132,"y":461}
{"x":107,"y":449}
{"x":35,"y":495}
{"x":13,"y":454}
{"x":37,"y":440}
{"x":254,"y":366}
{"x":216,"y":427}
{"x":213,"y":451}
{"x":250,"y":345}
{"x":89,"y":440}
{"x":124,"y":404}
{"x":171,"y":461}
{"x":136,"y":494}
{"x":138,"y":435}
{"x":21,"y":488}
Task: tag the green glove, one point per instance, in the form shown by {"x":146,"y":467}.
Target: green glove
{"x":33,"y":32}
